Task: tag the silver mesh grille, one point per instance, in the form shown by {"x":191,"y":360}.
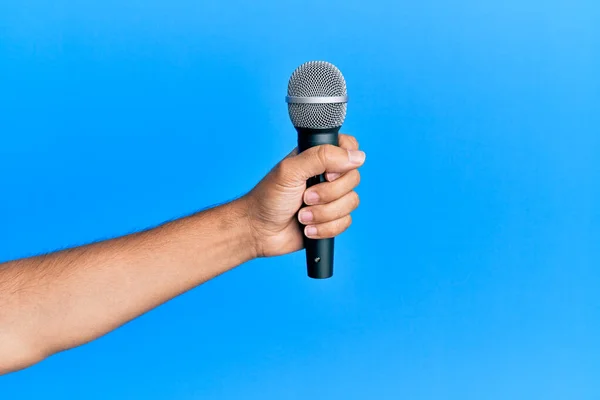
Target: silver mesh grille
{"x":317,"y":79}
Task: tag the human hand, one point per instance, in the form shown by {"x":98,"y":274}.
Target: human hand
{"x":274,"y":203}
{"x":71,"y":284}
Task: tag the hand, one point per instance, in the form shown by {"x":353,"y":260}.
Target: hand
{"x":274,"y":203}
{"x":58,"y":301}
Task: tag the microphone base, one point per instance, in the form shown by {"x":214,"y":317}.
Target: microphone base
{"x":319,"y":257}
{"x":319,"y":252}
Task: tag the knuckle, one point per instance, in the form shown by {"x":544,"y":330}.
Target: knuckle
{"x":348,"y":141}
{"x":335,"y":228}
{"x":325,"y":152}
{"x":341,"y":225}
{"x":354,"y":200}
{"x":347,"y":222}
{"x":327,"y":231}
{"x":283,"y":169}
{"x":322,"y":153}
{"x":356,"y":177}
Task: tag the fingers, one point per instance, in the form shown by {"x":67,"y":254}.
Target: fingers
{"x":316,"y":161}
{"x":327,"y":192}
{"x":329,"y":204}
{"x":347,"y":142}
{"x":329,"y":212}
{"x":328,"y":229}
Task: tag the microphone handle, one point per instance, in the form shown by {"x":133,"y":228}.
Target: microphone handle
{"x":319,"y":252}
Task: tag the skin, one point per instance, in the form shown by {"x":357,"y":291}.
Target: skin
{"x":61,"y":300}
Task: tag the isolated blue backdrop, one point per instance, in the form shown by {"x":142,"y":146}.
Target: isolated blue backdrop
{"x":472,"y":269}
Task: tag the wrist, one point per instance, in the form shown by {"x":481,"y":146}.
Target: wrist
{"x":240,"y":212}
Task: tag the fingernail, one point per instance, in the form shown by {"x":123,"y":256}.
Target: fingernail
{"x":311,"y":197}
{"x":310,"y":231}
{"x":306,"y":216}
{"x":356,"y":156}
{"x":332,"y":176}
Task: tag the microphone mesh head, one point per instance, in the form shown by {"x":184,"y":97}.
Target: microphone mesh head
{"x":317,"y":79}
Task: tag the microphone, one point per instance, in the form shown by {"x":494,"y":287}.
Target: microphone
{"x":317,"y":100}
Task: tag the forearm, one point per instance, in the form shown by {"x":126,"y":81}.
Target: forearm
{"x":55,"y":302}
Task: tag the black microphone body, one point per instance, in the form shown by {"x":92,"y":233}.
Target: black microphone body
{"x":317,"y":98}
{"x":319,"y":252}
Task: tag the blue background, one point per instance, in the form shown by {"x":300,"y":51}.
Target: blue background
{"x":472,"y":269}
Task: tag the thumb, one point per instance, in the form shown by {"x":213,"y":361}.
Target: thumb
{"x":318,"y":160}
